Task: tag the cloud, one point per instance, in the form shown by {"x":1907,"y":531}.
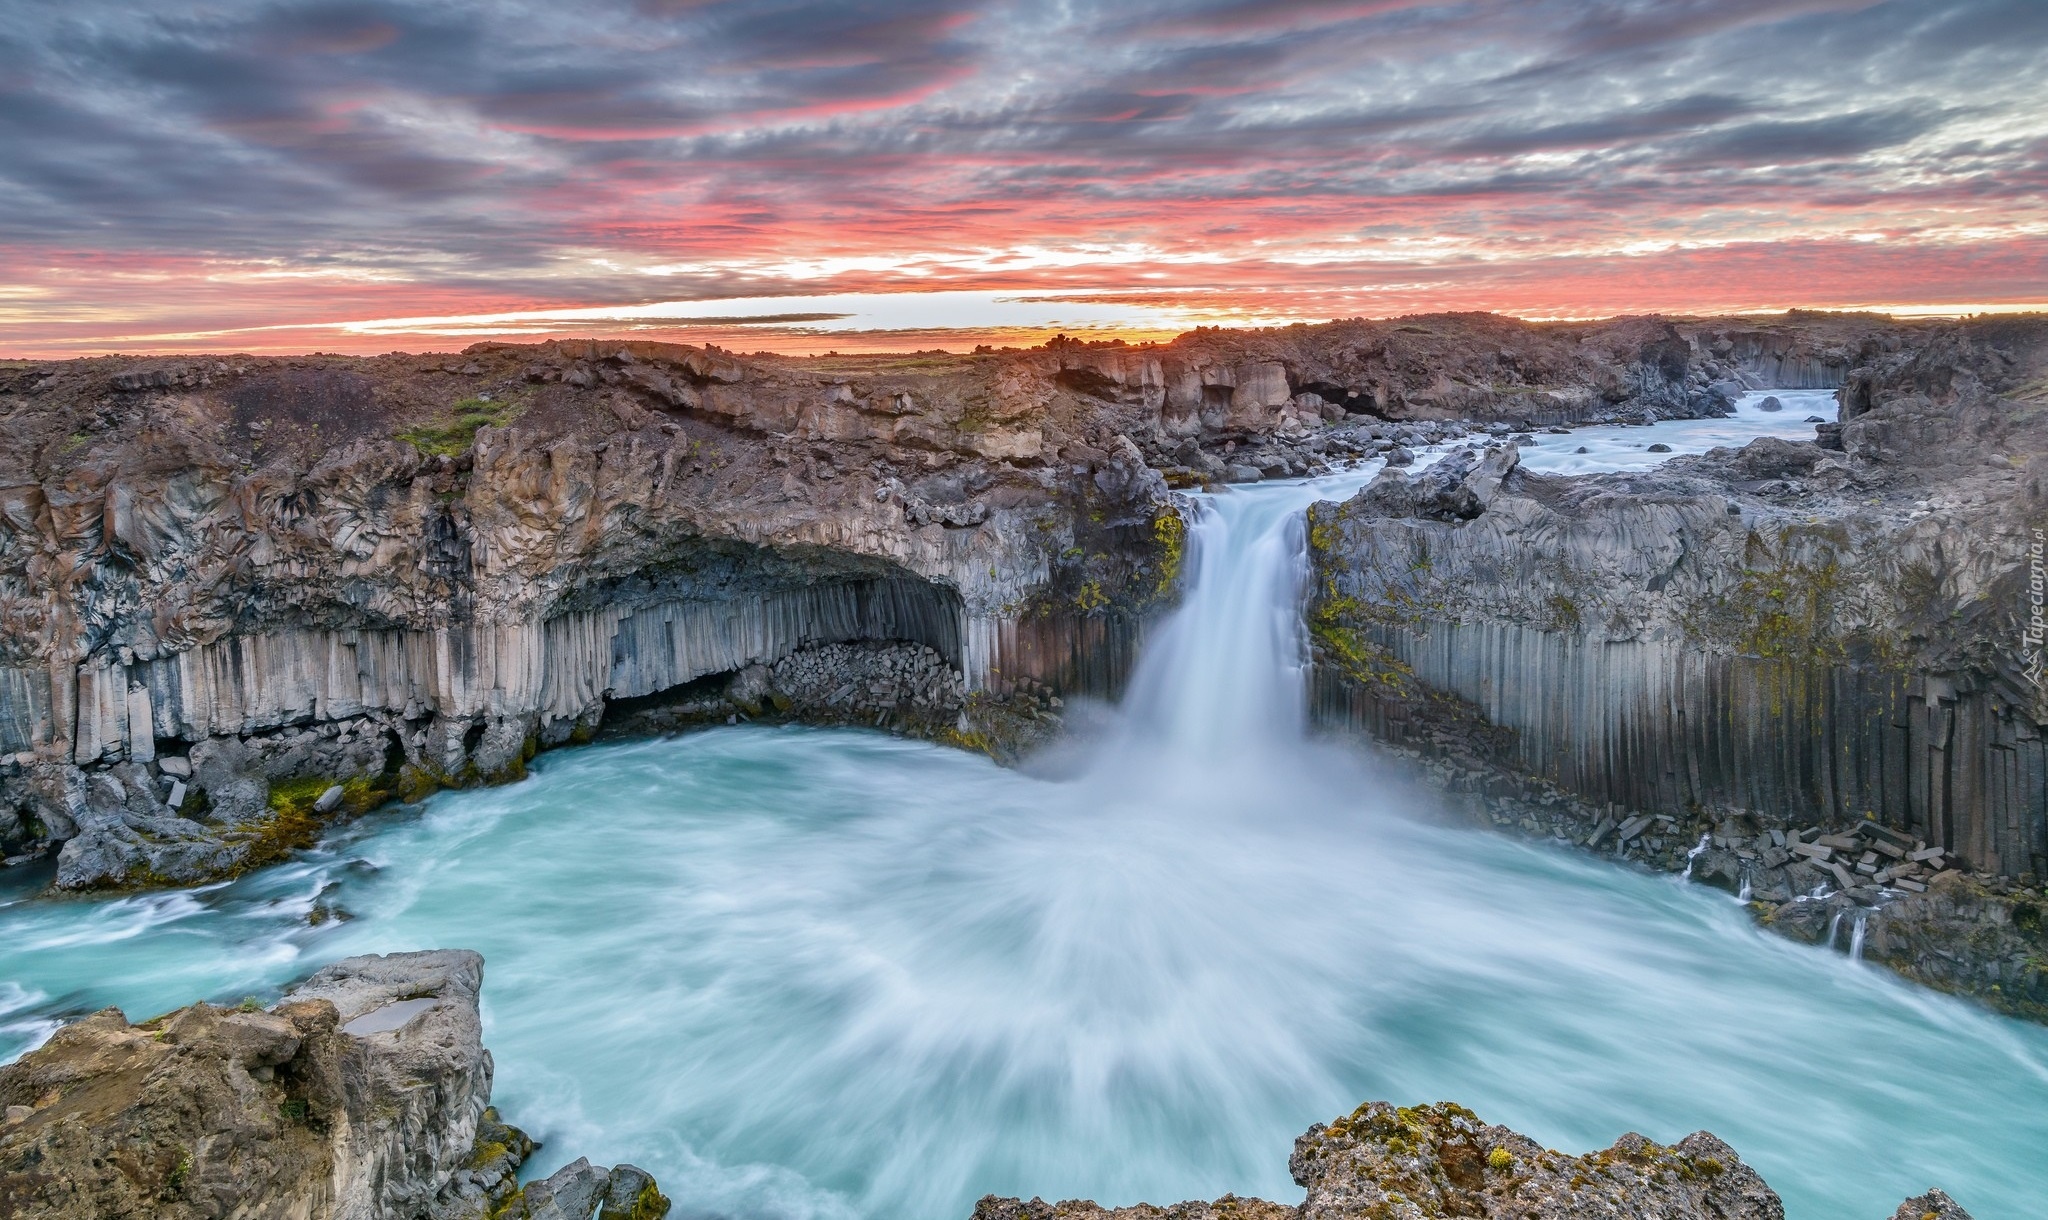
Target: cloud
{"x":1786,"y":142}
{"x":324,"y":156}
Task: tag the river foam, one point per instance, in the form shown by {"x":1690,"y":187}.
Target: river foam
{"x":1626,"y":447}
{"x":829,"y":973}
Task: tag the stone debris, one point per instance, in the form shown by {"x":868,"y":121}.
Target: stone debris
{"x":1957,"y":930}
{"x":582,"y":1191}
{"x":859,"y":679}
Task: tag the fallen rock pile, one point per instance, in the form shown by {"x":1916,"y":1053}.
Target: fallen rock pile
{"x":862,"y":679}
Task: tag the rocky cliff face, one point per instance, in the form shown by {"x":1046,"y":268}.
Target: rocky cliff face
{"x":363,"y":1095}
{"x":241,"y":597}
{"x":1383,"y":1162}
{"x":1777,"y":647}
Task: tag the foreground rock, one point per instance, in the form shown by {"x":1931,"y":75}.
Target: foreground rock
{"x":1383,"y":1162}
{"x":363,"y":1095}
{"x":1801,"y":671}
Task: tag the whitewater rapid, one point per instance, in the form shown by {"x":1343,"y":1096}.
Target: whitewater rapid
{"x":829,"y":973}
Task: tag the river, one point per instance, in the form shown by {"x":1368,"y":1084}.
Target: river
{"x":830,"y":973}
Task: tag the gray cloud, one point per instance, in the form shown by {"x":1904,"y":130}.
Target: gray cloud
{"x":492,"y":133}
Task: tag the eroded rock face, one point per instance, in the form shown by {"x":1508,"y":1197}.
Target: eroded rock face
{"x":225,"y":595}
{"x":390,"y":574}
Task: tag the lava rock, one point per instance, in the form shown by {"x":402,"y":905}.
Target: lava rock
{"x":1934,"y":1205}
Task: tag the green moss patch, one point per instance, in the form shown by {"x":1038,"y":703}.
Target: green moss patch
{"x":455,"y":433}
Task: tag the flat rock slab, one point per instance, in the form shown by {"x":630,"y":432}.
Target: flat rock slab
{"x":390,"y":1017}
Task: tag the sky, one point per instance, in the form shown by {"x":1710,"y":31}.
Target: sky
{"x":792,"y":175}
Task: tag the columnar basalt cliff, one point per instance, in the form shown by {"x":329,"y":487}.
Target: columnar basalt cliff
{"x":241,"y":596}
{"x":1811,"y":653}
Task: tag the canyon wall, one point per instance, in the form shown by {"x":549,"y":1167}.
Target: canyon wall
{"x":241,"y":596}
{"x":1771,"y":647}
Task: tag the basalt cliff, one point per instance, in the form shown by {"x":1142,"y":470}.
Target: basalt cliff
{"x":240,"y":597}
{"x":1809,"y":673}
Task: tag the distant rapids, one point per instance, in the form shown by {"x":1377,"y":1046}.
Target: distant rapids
{"x":810,"y":973}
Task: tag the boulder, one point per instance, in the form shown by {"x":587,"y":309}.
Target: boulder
{"x":211,"y":1111}
{"x":1383,"y":1162}
{"x":572,"y":1192}
{"x":1934,"y":1205}
{"x":632,"y":1195}
{"x":1443,"y":1160}
{"x":362,"y":1095}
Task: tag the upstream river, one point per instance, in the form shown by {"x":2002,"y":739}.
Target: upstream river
{"x":829,"y":973}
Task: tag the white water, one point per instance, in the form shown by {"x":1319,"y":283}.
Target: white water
{"x":1618,"y":447}
{"x":804,"y":973}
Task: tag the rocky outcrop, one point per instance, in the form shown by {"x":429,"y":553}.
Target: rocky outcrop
{"x":363,"y":1095}
{"x":1383,"y":1162}
{"x":1811,"y":656}
{"x":1473,"y":367}
{"x":582,"y":1191}
{"x":1934,"y":1205}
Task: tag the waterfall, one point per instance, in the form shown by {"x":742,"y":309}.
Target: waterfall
{"x":1706,"y":840}
{"x":1224,"y":681}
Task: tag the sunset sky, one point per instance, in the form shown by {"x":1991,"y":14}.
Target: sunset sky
{"x":795,"y":175}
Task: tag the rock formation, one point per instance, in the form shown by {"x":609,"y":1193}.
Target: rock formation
{"x":1812,"y":654}
{"x":1383,"y":1162}
{"x":363,"y":1095}
{"x":237,"y":601}
{"x":241,"y":597}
